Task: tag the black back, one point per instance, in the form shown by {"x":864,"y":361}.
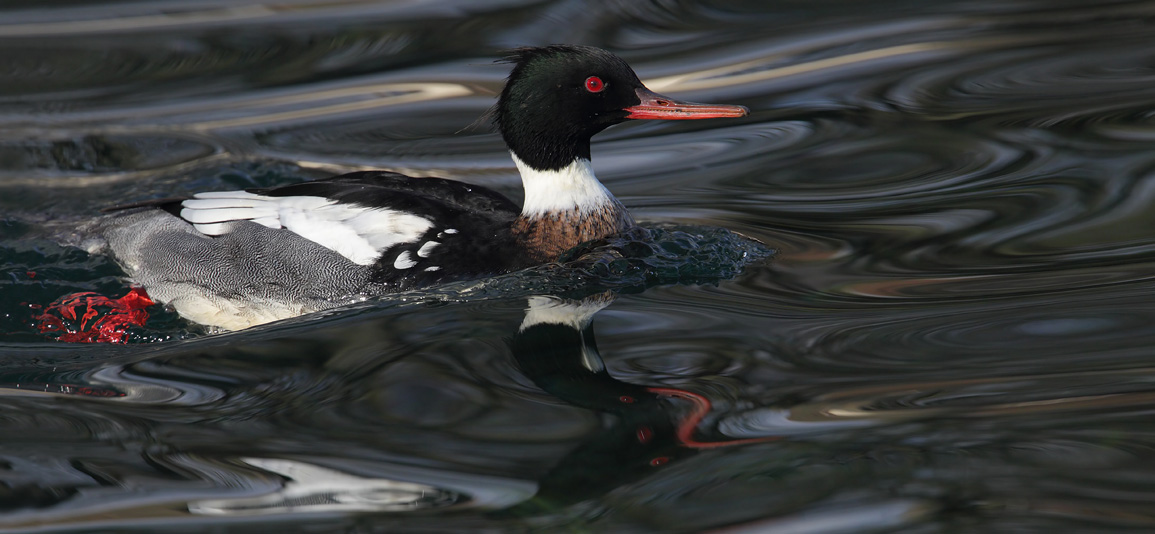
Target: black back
{"x":479,"y":218}
{"x":390,"y":190}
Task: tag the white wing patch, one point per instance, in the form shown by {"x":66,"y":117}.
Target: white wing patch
{"x":427,"y":249}
{"x":404,"y":261}
{"x":356,"y":232}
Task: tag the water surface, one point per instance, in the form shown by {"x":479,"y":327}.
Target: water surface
{"x":953,"y":334}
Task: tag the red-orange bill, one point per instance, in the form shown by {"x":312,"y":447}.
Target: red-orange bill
{"x":655,"y":106}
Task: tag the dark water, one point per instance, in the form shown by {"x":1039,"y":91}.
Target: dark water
{"x":954,"y":335}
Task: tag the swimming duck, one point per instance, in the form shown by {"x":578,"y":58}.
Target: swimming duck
{"x":234,"y":259}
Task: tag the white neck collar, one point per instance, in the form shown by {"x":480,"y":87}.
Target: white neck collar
{"x":573,"y":187}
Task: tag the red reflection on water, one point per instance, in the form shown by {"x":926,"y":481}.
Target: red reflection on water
{"x":702,"y":406}
{"x":645,"y":434}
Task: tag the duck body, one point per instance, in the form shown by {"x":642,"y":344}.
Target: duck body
{"x":234,"y":259}
{"x":240,"y":258}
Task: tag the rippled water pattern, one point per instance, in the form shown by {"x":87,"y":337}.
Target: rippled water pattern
{"x":953,"y":335}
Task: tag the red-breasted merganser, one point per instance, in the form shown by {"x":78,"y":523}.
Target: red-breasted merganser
{"x":233,"y":259}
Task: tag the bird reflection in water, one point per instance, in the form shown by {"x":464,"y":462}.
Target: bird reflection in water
{"x":555,"y":347}
{"x":647,"y":429}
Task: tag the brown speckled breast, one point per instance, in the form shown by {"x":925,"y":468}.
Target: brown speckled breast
{"x":546,"y":237}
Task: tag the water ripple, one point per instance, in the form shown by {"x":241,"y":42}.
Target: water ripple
{"x":954,"y":330}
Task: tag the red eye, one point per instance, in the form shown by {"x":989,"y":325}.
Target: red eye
{"x":595,"y":84}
